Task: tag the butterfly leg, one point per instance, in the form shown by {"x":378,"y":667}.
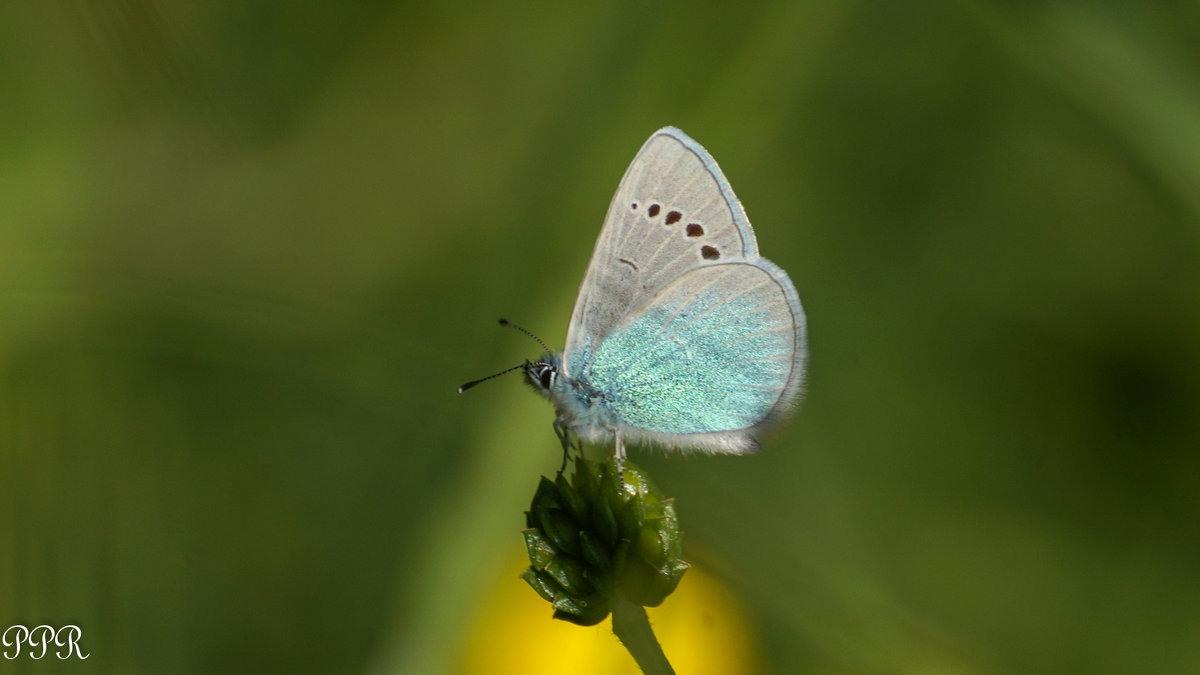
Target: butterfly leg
{"x":620,"y":453}
{"x":563,"y":432}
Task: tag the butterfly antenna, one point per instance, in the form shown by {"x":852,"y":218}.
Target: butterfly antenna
{"x":472,"y":383}
{"x":506,"y":322}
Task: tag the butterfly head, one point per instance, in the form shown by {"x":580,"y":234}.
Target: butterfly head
{"x":543,"y":374}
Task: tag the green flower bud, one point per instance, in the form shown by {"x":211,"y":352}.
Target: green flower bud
{"x":597,"y":537}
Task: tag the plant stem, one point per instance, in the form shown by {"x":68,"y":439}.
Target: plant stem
{"x":632,"y":627}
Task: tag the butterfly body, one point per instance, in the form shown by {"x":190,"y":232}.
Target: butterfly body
{"x":582,"y":408}
{"x":682,"y":335}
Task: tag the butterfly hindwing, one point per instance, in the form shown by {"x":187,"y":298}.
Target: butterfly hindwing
{"x":712,"y":357}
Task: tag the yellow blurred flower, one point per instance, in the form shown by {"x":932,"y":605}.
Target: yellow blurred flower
{"x":701,"y":627}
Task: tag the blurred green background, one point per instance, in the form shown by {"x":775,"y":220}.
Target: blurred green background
{"x":248,"y":251}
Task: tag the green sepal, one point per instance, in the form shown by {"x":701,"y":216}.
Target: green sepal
{"x":609,"y":482}
{"x":569,"y":573}
{"x":605,"y":522}
{"x":652,"y":545}
{"x":595,"y":553}
{"x":631,"y":515}
{"x":605,"y":584}
{"x":573,"y":500}
{"x":587,"y":611}
{"x":665,"y":583}
{"x":545,"y":497}
{"x":542,"y":583}
{"x":558,"y":526}
{"x":621,"y":556}
{"x":586,"y":480}
{"x":648,"y":585}
{"x":636,"y":482}
{"x":590,"y":619}
{"x":539,"y":549}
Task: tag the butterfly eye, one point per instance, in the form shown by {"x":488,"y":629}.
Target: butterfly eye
{"x":546,"y":377}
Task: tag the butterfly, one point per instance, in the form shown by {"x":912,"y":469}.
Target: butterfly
{"x":682,"y":335}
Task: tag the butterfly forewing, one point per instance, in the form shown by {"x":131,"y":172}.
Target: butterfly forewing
{"x":673,"y":212}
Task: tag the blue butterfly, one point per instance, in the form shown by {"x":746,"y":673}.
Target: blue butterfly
{"x":682,"y":335}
